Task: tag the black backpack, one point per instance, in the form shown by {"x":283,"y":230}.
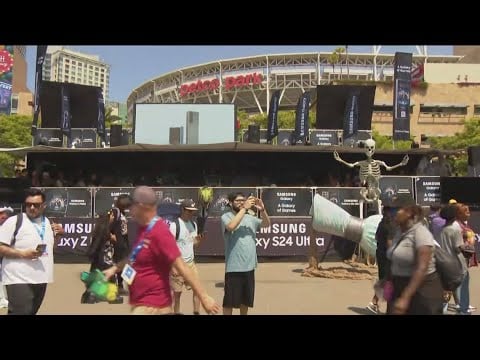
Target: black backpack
{"x":449,"y":269}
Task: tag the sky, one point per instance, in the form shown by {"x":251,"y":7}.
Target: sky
{"x":131,"y":66}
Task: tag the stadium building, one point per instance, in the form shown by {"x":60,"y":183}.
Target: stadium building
{"x":445,"y":92}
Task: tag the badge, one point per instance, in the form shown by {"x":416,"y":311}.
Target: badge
{"x":128,"y":274}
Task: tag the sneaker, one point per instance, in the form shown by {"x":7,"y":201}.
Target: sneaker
{"x":471,"y":308}
{"x":3,"y":304}
{"x":373,"y":308}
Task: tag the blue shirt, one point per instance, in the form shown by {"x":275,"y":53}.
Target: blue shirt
{"x":240,"y":245}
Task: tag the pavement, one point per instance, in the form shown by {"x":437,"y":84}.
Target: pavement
{"x":280,"y":290}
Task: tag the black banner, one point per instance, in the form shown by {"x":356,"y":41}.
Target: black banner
{"x":72,"y":246}
{"x":66,"y":115}
{"x":394,"y":185}
{"x":68,"y":202}
{"x":176,"y":195}
{"x":401,"y":96}
{"x":50,"y":137}
{"x":346,"y":198}
{"x":301,"y":119}
{"x":105,"y":198}
{"x":324,"y":137}
{"x":350,"y":119}
{"x":427,"y":190}
{"x":219,"y":204}
{"x":84,"y":138}
{"x":41,"y":53}
{"x":287,"y":201}
{"x":272,"y":127}
{"x":101,"y":116}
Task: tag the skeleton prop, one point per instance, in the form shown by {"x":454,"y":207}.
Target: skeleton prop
{"x":370,"y":171}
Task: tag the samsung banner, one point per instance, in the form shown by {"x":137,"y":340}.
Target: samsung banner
{"x":350,"y":120}
{"x":41,"y":53}
{"x":401,"y":96}
{"x":427,"y":190}
{"x":272,"y":127}
{"x":300,"y":134}
{"x":391,"y":186}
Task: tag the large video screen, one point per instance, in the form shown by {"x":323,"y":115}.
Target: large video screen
{"x":163,"y":124}
{"x":331,"y":101}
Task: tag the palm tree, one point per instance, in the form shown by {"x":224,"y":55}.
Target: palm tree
{"x":111,"y":119}
{"x":335,"y":57}
{"x":340,"y":51}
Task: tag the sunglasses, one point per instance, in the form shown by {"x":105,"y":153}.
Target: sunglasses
{"x":35,"y":205}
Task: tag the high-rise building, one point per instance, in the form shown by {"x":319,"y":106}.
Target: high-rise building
{"x":15,"y":97}
{"x":65,"y":65}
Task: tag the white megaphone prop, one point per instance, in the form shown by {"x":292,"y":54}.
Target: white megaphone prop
{"x":330,"y":218}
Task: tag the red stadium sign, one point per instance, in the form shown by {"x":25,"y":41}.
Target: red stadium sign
{"x":230,"y":82}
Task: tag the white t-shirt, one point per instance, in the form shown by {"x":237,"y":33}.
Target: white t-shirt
{"x":26,"y":271}
{"x":186,"y":238}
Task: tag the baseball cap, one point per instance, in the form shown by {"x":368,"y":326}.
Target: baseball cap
{"x":188,"y":204}
{"x":5,"y":209}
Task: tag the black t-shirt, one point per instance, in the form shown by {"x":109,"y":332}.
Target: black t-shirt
{"x":385,"y":231}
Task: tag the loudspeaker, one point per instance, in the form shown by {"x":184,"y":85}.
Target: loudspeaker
{"x":473,"y":155}
{"x":115,"y":135}
{"x":254,"y":133}
{"x":176,"y":135}
{"x":83,"y":105}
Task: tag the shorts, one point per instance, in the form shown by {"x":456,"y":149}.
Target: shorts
{"x":239,"y":289}
{"x":151,"y":310}
{"x":177,"y":282}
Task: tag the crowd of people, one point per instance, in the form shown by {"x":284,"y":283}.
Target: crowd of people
{"x":155,"y":267}
{"x":409,"y":276}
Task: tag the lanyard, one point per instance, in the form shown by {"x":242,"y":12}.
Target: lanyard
{"x":139,"y":247}
{"x":40,"y":231}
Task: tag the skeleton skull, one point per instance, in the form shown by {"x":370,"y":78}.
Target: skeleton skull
{"x":369,"y":147}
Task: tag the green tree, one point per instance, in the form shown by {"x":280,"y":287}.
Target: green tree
{"x":111,"y":119}
{"x":384,"y":142}
{"x":335,"y":57}
{"x":14,"y":132}
{"x":470,"y":136}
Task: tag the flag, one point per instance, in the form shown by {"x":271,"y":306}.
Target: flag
{"x":350,"y":120}
{"x":418,"y":75}
{"x":66,"y":115}
{"x":301,"y":119}
{"x":272,"y":128}
{"x":101,"y":115}
{"x":41,"y":53}
{"x":402,"y":80}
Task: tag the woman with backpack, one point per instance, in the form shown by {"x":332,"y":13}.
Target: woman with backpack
{"x":417,"y":289}
{"x":452,"y":242}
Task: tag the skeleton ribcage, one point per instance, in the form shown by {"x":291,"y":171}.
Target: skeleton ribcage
{"x":369,"y":170}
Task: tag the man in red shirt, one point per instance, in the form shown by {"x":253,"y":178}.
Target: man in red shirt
{"x":154,"y":253}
